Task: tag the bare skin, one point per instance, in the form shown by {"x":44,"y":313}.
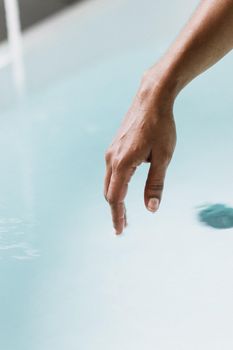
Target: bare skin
{"x":147,"y":132}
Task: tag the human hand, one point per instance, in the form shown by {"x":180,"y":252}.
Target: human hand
{"x":147,"y":134}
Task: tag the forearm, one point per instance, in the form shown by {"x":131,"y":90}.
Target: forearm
{"x":205,"y":39}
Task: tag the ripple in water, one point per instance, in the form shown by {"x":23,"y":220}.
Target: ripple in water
{"x":16,"y":239}
{"x":217,"y":215}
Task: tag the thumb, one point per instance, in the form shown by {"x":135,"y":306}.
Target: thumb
{"x":154,"y":186}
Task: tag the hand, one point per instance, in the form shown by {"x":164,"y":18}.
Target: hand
{"x":147,"y":134}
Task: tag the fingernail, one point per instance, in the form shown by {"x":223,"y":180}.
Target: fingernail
{"x":153,"y":204}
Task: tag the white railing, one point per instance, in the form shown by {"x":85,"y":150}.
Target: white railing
{"x":14,"y":54}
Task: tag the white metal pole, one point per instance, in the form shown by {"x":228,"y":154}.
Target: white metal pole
{"x":15,"y":43}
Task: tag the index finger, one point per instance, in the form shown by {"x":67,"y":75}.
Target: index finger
{"x":117,"y":191}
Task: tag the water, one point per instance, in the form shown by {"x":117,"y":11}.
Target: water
{"x":66,"y":281}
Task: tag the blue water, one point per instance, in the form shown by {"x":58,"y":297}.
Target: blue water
{"x":66,"y":281}
{"x":217,"y":215}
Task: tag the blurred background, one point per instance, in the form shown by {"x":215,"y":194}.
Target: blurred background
{"x":32,"y":12}
{"x":68,"y":73}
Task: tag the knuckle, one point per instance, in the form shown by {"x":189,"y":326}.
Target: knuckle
{"x":112,"y":200}
{"x":166,"y":158}
{"x":108,"y":155}
{"x":166,"y":155}
{"x":120,"y":164}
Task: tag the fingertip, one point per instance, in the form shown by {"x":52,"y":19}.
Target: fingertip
{"x":118,"y":232}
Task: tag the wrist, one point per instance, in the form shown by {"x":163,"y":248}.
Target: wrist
{"x":161,"y":79}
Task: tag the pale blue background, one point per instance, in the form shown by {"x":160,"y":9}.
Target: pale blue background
{"x":66,"y":281}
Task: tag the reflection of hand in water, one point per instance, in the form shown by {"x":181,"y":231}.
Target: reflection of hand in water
{"x":148,"y":130}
